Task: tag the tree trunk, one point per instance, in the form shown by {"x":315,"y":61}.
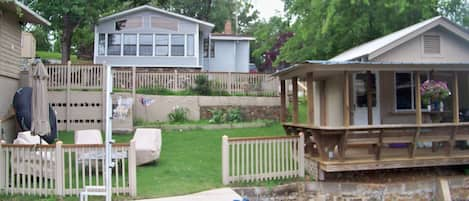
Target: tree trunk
{"x":66,"y":38}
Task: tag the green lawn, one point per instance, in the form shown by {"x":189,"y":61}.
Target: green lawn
{"x":58,"y":56}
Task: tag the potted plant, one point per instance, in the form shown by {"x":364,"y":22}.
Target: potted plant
{"x":433,"y":93}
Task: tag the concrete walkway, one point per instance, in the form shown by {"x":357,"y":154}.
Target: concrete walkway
{"x":221,"y":194}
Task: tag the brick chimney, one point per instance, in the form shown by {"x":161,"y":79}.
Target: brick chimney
{"x":227,"y":29}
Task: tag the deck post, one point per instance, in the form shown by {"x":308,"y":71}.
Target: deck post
{"x":418,"y":100}
{"x":310,"y":94}
{"x":294,"y":81}
{"x":67,"y":96}
{"x":455,"y":98}
{"x":369,"y":98}
{"x":346,"y":105}
{"x":283,"y":104}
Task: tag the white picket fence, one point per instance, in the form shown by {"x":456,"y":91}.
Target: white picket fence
{"x":262,"y":158}
{"x":64,"y":169}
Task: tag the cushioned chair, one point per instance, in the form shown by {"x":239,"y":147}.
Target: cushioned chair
{"x":147,"y":145}
{"x":33,"y":162}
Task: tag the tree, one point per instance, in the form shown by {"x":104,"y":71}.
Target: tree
{"x":67,"y":15}
{"x":41,"y":34}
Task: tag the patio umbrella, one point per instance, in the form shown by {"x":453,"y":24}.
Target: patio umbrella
{"x":40,"y":124}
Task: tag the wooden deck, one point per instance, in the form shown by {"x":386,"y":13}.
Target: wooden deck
{"x":384,"y":146}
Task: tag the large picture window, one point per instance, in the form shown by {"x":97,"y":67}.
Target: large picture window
{"x":146,"y":45}
{"x":130,"y":44}
{"x":161,"y":45}
{"x":114,"y":44}
{"x":177,"y":45}
{"x":101,"y":44}
{"x":404,"y":86}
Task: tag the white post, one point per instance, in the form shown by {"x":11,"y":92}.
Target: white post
{"x":301,"y":155}
{"x":132,"y":169}
{"x":224,"y":157}
{"x":3,"y":163}
{"x":59,"y":177}
{"x":109,"y":141}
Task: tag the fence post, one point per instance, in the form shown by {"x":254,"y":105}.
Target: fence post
{"x":132,"y":169}
{"x":59,"y":176}
{"x":67,"y":95}
{"x":301,"y":155}
{"x":176,"y":80}
{"x":134,"y":88}
{"x":2,"y":167}
{"x":230,"y":80}
{"x":103,"y":93}
{"x":224,"y":159}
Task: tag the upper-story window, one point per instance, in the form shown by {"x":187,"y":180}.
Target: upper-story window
{"x":212,"y":48}
{"x":146,"y":45}
{"x":161,"y":22}
{"x":130,"y":44}
{"x":114,"y":44}
{"x":129,"y":23}
{"x":431,"y":44}
{"x":190,"y":45}
{"x":101,"y":44}
{"x":161,"y":45}
{"x":177,"y":45}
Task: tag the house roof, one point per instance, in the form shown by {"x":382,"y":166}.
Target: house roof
{"x":328,"y":66}
{"x":151,"y":8}
{"x":219,"y":36}
{"x":376,"y":47}
{"x":28,"y":15}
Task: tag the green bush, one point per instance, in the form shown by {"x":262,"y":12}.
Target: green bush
{"x":202,"y":86}
{"x":220,"y":116}
{"x":234,"y":115}
{"x":178,"y":115}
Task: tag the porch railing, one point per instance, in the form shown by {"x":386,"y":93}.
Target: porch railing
{"x":262,"y":158}
{"x":64,"y":169}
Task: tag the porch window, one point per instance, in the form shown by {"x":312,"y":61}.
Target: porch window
{"x":177,"y":45}
{"x":404,"y":87}
{"x":190,"y":45}
{"x":130,"y":44}
{"x":101,"y":44}
{"x":146,"y":45}
{"x":161,"y":45}
{"x":212,"y":48}
{"x":114,"y":44}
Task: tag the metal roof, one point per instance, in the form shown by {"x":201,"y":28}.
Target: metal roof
{"x":147,"y":7}
{"x":28,"y":15}
{"x":378,"y":46}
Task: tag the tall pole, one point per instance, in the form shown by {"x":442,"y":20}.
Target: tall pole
{"x":109,"y":141}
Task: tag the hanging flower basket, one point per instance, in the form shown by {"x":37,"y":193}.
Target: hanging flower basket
{"x":434,"y":93}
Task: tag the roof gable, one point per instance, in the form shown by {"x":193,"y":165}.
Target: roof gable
{"x":151,"y":8}
{"x":28,"y":15}
{"x":383,"y":44}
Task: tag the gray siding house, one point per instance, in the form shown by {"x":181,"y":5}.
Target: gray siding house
{"x":150,"y":37}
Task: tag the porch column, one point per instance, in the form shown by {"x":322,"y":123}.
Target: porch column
{"x":294,"y":81}
{"x":418,"y":98}
{"x":346,"y":105}
{"x":455,"y":98}
{"x":369,"y":97}
{"x":283,"y":105}
{"x":310,"y":100}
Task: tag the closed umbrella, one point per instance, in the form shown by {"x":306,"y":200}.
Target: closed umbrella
{"x":40,"y":124}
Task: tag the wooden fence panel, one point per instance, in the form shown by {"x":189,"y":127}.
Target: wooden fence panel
{"x":263,"y":158}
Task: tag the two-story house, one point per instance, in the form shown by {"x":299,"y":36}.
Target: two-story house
{"x":154,"y":38}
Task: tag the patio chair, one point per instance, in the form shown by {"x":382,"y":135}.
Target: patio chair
{"x":147,"y":145}
{"x":90,"y":136}
{"x":34,"y":161}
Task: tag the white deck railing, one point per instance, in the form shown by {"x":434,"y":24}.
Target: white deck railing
{"x":262,"y":158}
{"x":64,"y":169}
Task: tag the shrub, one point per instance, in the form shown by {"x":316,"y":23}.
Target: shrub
{"x":234,"y":115}
{"x":220,"y":116}
{"x":202,"y":86}
{"x":178,"y":115}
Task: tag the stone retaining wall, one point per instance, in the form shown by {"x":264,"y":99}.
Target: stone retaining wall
{"x":321,"y":191}
{"x":248,"y":112}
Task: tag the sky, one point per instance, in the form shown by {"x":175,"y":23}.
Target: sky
{"x":268,"y":8}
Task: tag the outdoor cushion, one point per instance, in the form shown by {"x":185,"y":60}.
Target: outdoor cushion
{"x":29,"y":163}
{"x":147,"y":145}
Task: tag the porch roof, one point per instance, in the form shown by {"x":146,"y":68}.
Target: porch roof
{"x":327,"y":67}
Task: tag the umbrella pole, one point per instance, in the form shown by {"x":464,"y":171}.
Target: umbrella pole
{"x":109,"y":141}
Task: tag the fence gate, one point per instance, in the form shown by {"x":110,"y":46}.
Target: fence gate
{"x":262,"y":158}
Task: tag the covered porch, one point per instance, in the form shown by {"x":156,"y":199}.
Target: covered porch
{"x":370,"y":115}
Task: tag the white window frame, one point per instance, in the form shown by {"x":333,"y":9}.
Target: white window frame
{"x":412,"y":86}
{"x":122,"y":45}
{"x":169,"y":44}
{"x":152,"y":45}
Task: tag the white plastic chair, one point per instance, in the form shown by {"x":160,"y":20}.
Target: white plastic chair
{"x":147,"y":145}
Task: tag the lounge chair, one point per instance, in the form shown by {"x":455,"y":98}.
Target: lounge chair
{"x":147,"y":145}
{"x":91,"y":136}
{"x":33,"y":162}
